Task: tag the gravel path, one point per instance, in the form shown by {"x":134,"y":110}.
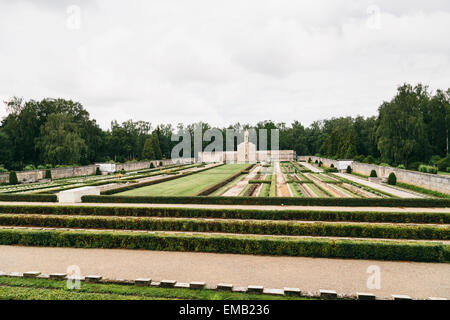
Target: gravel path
{"x":418,"y":280}
{"x":282,"y":188}
{"x":393,"y":191}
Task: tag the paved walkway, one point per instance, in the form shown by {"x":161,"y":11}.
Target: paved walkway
{"x":231,"y":207}
{"x":418,"y":280}
{"x":393,"y":191}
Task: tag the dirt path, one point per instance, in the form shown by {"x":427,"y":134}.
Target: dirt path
{"x":235,"y":190}
{"x":311,"y":167}
{"x":325,"y":186}
{"x":393,"y":191}
{"x":223,"y":206}
{"x":418,"y":280}
{"x":282,"y":188}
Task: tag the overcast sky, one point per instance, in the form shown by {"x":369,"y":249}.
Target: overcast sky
{"x":167,"y":61}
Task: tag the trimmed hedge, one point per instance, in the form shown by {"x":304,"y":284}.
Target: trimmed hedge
{"x":307,"y":215}
{"x":258,"y":245}
{"x":13,"y":178}
{"x":357,"y":230}
{"x":349,"y":202}
{"x":392,"y":179}
{"x":29,"y":197}
{"x":254,"y":181}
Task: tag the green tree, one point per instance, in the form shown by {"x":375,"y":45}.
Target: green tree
{"x":401,"y":129}
{"x":60,"y":141}
{"x":148,"y":152}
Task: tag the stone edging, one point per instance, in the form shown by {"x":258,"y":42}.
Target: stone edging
{"x":253,"y":289}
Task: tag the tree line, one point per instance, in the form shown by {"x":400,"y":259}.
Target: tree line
{"x":410,"y":129}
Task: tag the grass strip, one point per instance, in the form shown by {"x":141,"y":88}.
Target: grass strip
{"x":43,"y":289}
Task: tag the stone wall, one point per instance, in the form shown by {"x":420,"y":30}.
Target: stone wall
{"x":59,"y":173}
{"x":434,"y":182}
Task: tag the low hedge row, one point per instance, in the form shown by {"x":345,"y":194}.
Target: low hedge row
{"x":258,"y":245}
{"x":353,"y":230}
{"x":29,"y":197}
{"x":350,"y":202}
{"x":148,"y":183}
{"x":222,"y":183}
{"x":254,"y":181}
{"x":307,"y":215}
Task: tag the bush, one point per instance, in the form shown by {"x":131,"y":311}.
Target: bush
{"x":369,"y":159}
{"x":414,"y":166}
{"x":152,"y":165}
{"x":3,"y":169}
{"x":349,"y":169}
{"x":98,"y":172}
{"x":428,"y":169}
{"x":373,"y":174}
{"x":434,"y":160}
{"x":331,"y":170}
{"x":359,"y":158}
{"x":29,"y":167}
{"x":383,"y":164}
{"x":48,"y":174}
{"x":401,"y":166}
{"x":392,"y":179}
{"x":13,"y":178}
{"x":443,"y":164}
{"x":255,"y":245}
{"x":41,"y":167}
{"x":309,"y":160}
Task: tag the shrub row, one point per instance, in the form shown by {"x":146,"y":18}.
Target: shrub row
{"x":351,"y":202}
{"x":424,"y":232}
{"x":258,"y":245}
{"x":29,"y":197}
{"x":148,"y":183}
{"x":222,"y":183}
{"x":254,"y":181}
{"x":307,"y":215}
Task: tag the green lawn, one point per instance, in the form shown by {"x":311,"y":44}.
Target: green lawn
{"x":12,"y":288}
{"x":190,"y":185}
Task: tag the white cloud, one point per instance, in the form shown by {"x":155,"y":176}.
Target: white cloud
{"x":222,"y":61}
